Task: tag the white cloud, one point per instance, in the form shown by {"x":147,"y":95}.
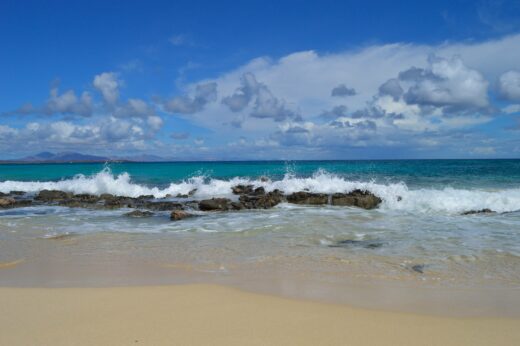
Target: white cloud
{"x":343,"y":90}
{"x":510,"y":109}
{"x":204,"y":93}
{"x":509,"y":85}
{"x":108,"y":85}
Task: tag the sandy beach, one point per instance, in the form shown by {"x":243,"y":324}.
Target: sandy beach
{"x":218,"y":315}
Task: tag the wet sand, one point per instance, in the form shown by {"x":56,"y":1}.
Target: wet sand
{"x":218,"y":315}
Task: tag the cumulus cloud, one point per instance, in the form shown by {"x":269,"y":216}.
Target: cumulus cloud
{"x":343,"y":90}
{"x":67,"y":103}
{"x":244,"y":94}
{"x":446,"y":83}
{"x":265,"y":104}
{"x":509,"y":85}
{"x":108,"y":85}
{"x":336,"y":112}
{"x":204,"y":94}
{"x":391,"y":88}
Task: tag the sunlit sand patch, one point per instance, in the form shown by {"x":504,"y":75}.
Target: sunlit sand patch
{"x":12,"y":264}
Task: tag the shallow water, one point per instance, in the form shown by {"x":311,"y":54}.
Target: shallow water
{"x":417,"y":238}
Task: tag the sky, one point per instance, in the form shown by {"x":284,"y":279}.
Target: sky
{"x":261,"y":80}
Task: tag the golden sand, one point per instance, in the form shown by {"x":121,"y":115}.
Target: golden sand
{"x":11,"y":264}
{"x":217,"y":315}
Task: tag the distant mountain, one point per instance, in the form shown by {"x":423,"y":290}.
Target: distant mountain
{"x":48,"y":157}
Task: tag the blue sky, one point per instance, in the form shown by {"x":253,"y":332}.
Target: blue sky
{"x":260,"y":79}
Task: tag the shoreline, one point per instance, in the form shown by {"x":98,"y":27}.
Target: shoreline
{"x":220,"y":315}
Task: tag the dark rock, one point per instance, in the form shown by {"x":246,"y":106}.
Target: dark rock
{"x":3,"y":194}
{"x":86,"y":198}
{"x":139,"y":213}
{"x":399,"y":198}
{"x":119,"y":202}
{"x":192,"y":192}
{"x":182,"y":196}
{"x":367,"y":244}
{"x":177,"y":215}
{"x":7,"y":202}
{"x":242,"y":189}
{"x":107,"y":196}
{"x":215,"y":204}
{"x":259,"y":191}
{"x":481,"y":211}
{"x":52,"y":195}
{"x":17,"y":193}
{"x":308,"y":198}
{"x":356,"y":198}
{"x":418,"y":268}
{"x":146,"y":197}
{"x":264,"y":179}
{"x":264,"y":201}
{"x":162,"y":206}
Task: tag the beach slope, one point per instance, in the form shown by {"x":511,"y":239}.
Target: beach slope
{"x":217,"y":315}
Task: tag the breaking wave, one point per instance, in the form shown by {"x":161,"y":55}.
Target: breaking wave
{"x":396,"y":196}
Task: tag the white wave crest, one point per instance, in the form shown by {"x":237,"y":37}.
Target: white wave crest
{"x":395,"y":196}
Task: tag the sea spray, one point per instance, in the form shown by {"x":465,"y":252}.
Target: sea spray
{"x":395,"y":196}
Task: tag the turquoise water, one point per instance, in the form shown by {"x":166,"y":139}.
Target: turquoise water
{"x":414,"y":173}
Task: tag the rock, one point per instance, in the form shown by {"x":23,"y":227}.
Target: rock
{"x":119,"y":202}
{"x":182,"y":196}
{"x":367,"y":244}
{"x":264,"y":179}
{"x":242,"y":189}
{"x":52,"y":195}
{"x":192,"y":192}
{"x":7,"y":202}
{"x":264,"y":201}
{"x":356,"y":198}
{"x":215,"y":204}
{"x":481,"y":211}
{"x":86,"y":198}
{"x":162,"y":206}
{"x":146,"y":197}
{"x":418,"y":268}
{"x":139,"y":213}
{"x":107,"y":196}
{"x":259,"y":191}
{"x":177,"y":215}
{"x":17,"y":193}
{"x":308,"y":198}
{"x":3,"y":194}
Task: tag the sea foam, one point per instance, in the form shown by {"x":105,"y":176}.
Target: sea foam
{"x":395,"y":196}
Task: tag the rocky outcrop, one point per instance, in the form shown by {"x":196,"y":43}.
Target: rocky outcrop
{"x":261,"y":201}
{"x":10,"y":202}
{"x":113,"y":202}
{"x":139,"y":213}
{"x":6,"y":202}
{"x":303,"y":197}
{"x":162,"y":206}
{"x":356,"y":198}
{"x":242,"y":189}
{"x":52,"y":195}
{"x":217,"y":204}
{"x":481,"y":211}
{"x":177,"y":215}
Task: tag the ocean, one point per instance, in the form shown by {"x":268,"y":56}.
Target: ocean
{"x":417,"y":237}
